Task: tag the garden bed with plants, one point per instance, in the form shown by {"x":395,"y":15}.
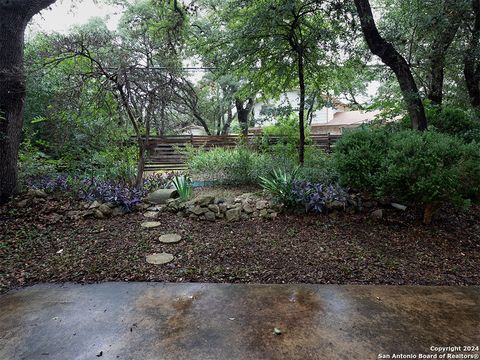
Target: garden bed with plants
{"x":41,"y":243}
{"x":389,"y":206}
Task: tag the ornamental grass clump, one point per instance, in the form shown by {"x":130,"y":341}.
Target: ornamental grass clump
{"x":280,"y":184}
{"x":183,"y":184}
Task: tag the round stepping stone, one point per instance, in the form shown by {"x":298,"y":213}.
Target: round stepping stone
{"x":150,"y":214}
{"x":159,"y":259}
{"x":151,"y":224}
{"x":170,"y":238}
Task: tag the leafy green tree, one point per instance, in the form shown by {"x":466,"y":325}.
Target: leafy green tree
{"x":139,"y":64}
{"x":276,"y":45}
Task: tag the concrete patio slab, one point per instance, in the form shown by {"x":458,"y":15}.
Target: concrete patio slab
{"x":223,"y":321}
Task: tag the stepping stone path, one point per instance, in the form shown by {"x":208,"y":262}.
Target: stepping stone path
{"x":170,"y":238}
{"x":150,"y":224}
{"x":159,"y":259}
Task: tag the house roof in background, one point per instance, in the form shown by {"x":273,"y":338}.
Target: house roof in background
{"x":350,"y":118}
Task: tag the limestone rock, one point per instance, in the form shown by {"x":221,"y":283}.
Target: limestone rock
{"x":263,"y":213}
{"x":248,"y":208}
{"x":272,"y":215}
{"x":170,"y":238}
{"x":98,"y":214}
{"x":36,"y":193}
{"x":117,"y":211}
{"x":197,"y":210}
{"x":399,"y":206}
{"x":214,"y":208}
{"x":94,"y":205}
{"x":105,"y":209}
{"x":233,"y":214}
{"x":23,"y":203}
{"x":151,"y":214}
{"x":175,"y":204}
{"x":210,"y":216}
{"x":161,"y":196}
{"x":156,"y":208}
{"x":204,"y":200}
{"x":234,"y":206}
{"x":159,"y":259}
{"x":261,"y":204}
{"x":222,"y":207}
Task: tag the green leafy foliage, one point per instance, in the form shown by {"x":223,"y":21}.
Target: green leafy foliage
{"x":183,"y":184}
{"x":461,"y":122}
{"x":415,"y":167}
{"x":423,"y":168}
{"x":286,"y":130}
{"x":228,"y":166}
{"x":280,"y":185}
{"x":244,"y":165}
{"x":358,"y":157}
{"x":319,"y":167}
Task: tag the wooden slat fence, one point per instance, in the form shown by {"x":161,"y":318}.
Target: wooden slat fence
{"x":163,"y":151}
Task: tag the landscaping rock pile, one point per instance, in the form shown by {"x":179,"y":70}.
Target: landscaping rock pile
{"x":210,"y":208}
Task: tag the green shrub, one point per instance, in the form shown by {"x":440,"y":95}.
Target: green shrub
{"x":319,"y":167}
{"x":425,"y":168}
{"x":286,"y":128}
{"x":470,"y":171}
{"x":228,"y":166}
{"x":422,"y":167}
{"x":113,"y":163}
{"x":455,"y":121}
{"x":358,"y":157}
{"x":33,"y":163}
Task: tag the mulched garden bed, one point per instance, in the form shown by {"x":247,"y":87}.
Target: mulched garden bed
{"x":40,"y":244}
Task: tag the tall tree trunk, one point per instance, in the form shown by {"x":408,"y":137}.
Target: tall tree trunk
{"x":471,"y":65}
{"x":309,"y":116}
{"x":301,"y":110}
{"x":395,"y":61}
{"x":142,"y":153}
{"x":452,"y":13}
{"x":243,"y":110}
{"x":12,"y":96}
{"x":14,"y":16}
{"x":226,"y":125}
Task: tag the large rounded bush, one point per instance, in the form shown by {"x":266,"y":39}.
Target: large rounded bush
{"x":358,"y":157}
{"x":414,"y":167}
{"x":422,"y":167}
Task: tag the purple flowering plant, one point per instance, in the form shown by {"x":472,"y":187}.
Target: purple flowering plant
{"x":117,"y":193}
{"x":317,"y":197}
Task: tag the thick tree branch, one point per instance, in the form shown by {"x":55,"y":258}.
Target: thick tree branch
{"x":393,"y":59}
